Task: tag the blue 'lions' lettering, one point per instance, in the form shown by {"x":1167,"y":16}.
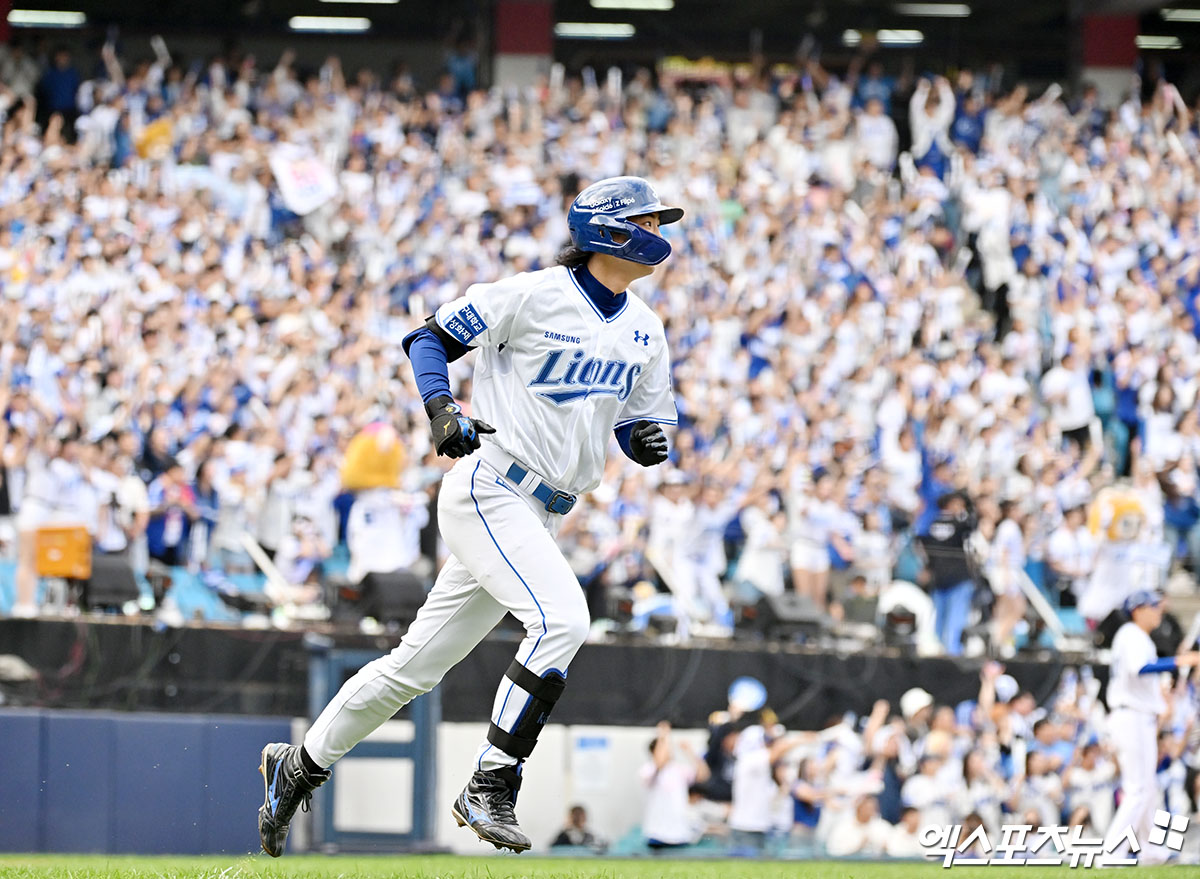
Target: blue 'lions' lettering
{"x":579,"y":378}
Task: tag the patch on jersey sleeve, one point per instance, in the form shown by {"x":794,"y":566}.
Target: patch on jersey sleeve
{"x":465,"y":324}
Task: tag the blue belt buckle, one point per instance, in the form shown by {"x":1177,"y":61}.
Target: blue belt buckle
{"x":560,"y":502}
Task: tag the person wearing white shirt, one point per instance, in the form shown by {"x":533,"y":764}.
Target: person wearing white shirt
{"x":859,"y":831}
{"x":274,"y":518}
{"x":928,"y":792}
{"x":813,"y":519}
{"x":672,"y":525}
{"x":706,"y":548}
{"x":930,"y":117}
{"x":903,"y":840}
{"x":383,"y":532}
{"x":238,"y":507}
{"x":754,"y":789}
{"x":58,"y":492}
{"x":667,"y":822}
{"x":901,"y":460}
{"x":1090,"y":783}
{"x":877,"y":136}
{"x":1041,"y":790}
{"x":1071,"y":553}
{"x":760,"y":566}
{"x":1069,"y":393}
{"x":983,"y":791}
{"x":1135,"y":700}
{"x":1007,"y":559}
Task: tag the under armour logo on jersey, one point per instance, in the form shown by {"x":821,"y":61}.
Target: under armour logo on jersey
{"x":582,"y":376}
{"x":644,"y":338}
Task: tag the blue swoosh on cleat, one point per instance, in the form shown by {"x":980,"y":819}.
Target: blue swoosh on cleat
{"x":272,"y":799}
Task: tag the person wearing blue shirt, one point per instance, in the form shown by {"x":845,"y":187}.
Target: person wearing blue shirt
{"x":57,"y":89}
{"x":876,"y":86}
{"x":967,"y":129}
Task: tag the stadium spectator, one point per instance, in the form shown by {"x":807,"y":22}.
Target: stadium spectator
{"x":859,"y":831}
{"x":1090,"y":783}
{"x":668,"y":777}
{"x":576,"y":833}
{"x":950,"y":579}
{"x":172,"y":511}
{"x":752,"y":815}
{"x":903,"y":839}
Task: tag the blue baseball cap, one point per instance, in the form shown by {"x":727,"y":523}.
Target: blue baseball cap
{"x":1141,"y":598}
{"x":747,"y":693}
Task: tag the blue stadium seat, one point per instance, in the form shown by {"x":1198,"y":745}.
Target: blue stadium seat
{"x":1072,"y":621}
{"x":194,"y":599}
{"x":8,"y":585}
{"x":338,"y":562}
{"x":248,"y":583}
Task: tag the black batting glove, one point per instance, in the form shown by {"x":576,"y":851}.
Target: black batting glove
{"x":454,"y":434}
{"x":648,"y":443}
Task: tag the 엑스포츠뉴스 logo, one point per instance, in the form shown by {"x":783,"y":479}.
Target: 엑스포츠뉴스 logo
{"x":1023,"y":844}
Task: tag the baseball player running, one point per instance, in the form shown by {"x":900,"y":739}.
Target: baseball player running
{"x":1135,"y":701}
{"x":565,"y":357}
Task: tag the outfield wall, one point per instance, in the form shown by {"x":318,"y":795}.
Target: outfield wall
{"x":99,"y":781}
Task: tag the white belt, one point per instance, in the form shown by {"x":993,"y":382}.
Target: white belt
{"x":553,"y":499}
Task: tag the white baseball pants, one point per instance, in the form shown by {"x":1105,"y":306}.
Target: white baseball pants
{"x":504,"y":559}
{"x":1134,"y":735}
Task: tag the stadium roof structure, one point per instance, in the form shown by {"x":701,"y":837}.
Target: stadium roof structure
{"x":1036,"y":37}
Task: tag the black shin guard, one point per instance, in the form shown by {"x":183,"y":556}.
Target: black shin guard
{"x":543,"y":692}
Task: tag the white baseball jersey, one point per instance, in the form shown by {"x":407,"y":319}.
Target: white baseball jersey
{"x":554,"y":376}
{"x":1132,"y":649}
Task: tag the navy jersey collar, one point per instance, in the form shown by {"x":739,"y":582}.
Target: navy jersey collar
{"x":601,"y":297}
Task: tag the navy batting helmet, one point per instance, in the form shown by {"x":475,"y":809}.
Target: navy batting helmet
{"x":606,"y":206}
{"x":1141,"y":598}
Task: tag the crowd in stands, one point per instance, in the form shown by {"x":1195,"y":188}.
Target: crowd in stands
{"x":886,"y":290}
{"x":896,"y":781}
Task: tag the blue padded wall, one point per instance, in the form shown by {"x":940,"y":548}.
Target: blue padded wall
{"x":75,"y":781}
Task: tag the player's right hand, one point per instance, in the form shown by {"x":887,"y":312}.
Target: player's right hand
{"x":454,"y":434}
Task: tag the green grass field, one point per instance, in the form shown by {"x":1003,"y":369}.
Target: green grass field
{"x":497,"y":867}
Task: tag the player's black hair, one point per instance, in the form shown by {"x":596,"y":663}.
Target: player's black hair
{"x":572,"y":257}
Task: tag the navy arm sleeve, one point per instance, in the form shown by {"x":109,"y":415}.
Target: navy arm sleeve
{"x":623,"y":434}
{"x":431,"y":353}
{"x":1167,"y":663}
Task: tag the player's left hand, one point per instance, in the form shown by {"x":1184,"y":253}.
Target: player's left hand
{"x":648,"y":443}
{"x":454,"y":434}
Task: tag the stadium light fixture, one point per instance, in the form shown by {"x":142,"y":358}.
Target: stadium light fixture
{"x":635,"y":5}
{"x":1150,"y":41}
{"x":328,"y":24}
{"x":593,"y":30}
{"x":886,"y":37}
{"x":45,"y":18}
{"x":1184,"y":15}
{"x":934,"y":10}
